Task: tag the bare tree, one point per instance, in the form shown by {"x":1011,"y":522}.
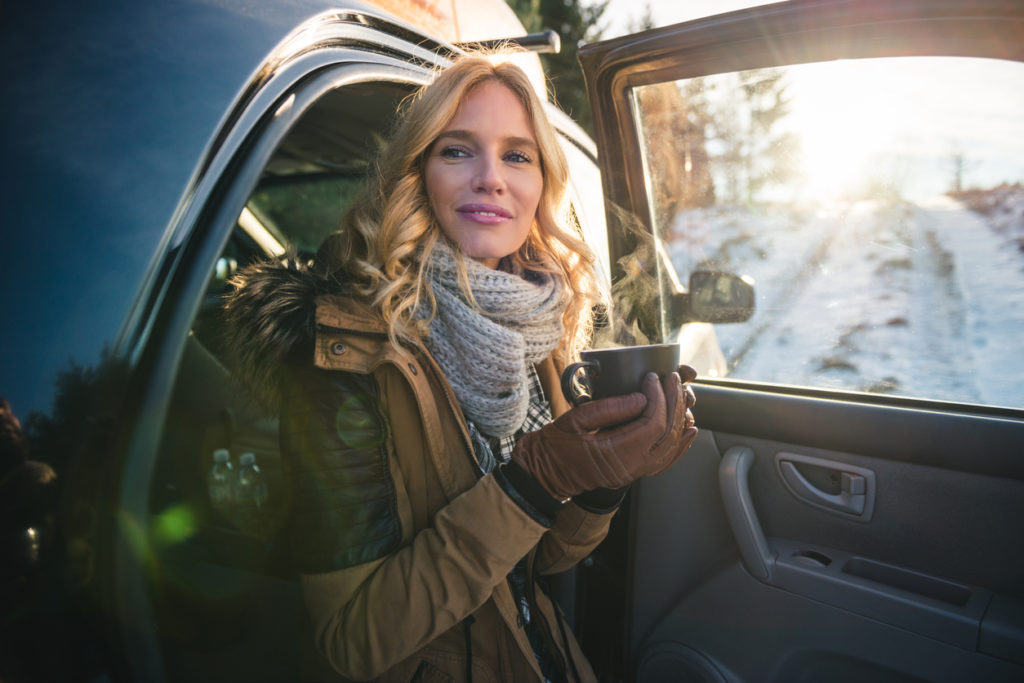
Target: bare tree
{"x":674,"y":119}
{"x":576,"y":22}
{"x":755,"y":152}
{"x":958,"y":166}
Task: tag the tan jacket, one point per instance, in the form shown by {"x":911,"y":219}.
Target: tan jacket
{"x":403,"y":615}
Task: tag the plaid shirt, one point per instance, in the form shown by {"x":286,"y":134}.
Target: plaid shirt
{"x":491,"y":452}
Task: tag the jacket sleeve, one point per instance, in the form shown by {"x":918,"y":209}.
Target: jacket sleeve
{"x":372,"y":600}
{"x":574,"y":528}
{"x":583,"y":523}
{"x":574,"y":535}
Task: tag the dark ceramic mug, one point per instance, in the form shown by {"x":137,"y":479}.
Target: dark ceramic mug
{"x":618,"y":371}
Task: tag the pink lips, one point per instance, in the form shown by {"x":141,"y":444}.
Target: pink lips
{"x":487,"y":214}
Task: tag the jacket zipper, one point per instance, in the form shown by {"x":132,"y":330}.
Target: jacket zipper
{"x":565,"y":656}
{"x":467,"y":624}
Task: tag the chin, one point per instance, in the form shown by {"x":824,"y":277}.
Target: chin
{"x":487,"y":256}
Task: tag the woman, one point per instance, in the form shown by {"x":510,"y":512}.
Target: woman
{"x":431,"y":484}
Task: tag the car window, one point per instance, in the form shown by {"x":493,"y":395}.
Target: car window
{"x":318,"y":169}
{"x":878,"y":205}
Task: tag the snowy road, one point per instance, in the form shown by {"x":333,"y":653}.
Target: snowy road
{"x":918,"y":300}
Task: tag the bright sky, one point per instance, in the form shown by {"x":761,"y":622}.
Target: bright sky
{"x":622,"y":14}
{"x":902,"y":118}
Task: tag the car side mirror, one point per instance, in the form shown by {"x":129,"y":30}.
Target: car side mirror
{"x":717,"y":297}
{"x":712,"y":297}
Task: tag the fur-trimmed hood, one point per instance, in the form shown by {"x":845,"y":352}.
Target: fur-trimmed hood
{"x":270,"y":322}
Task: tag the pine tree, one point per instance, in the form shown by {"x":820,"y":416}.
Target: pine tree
{"x":575,"y":22}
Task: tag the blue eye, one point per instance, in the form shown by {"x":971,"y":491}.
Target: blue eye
{"x":454,"y":152}
{"x":517,"y":157}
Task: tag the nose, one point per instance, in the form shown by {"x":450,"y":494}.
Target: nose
{"x":490,"y":176}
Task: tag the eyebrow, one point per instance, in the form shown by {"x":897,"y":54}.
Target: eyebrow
{"x":511,"y":140}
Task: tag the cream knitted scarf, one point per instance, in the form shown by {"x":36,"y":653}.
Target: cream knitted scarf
{"x":483,"y":351}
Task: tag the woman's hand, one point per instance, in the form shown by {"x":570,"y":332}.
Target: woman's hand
{"x":611,"y":442}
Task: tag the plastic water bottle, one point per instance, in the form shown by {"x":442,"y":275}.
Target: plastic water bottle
{"x":221,"y":482}
{"x":251,"y":494}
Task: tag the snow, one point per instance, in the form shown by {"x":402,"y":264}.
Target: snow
{"x":920,"y":299}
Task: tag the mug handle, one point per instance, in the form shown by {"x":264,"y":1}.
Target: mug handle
{"x":567,"y":377}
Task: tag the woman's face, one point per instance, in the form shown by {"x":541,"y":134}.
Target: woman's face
{"x":483,"y":174}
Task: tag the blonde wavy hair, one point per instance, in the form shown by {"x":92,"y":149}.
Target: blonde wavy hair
{"x":388,"y":236}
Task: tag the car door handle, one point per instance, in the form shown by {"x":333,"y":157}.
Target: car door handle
{"x":856,"y":493}
{"x":850,"y":499}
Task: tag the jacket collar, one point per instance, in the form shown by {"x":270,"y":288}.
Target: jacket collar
{"x":350,"y":337}
{"x":341,"y":312}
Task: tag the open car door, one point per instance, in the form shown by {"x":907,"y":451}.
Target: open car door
{"x":853,"y":508}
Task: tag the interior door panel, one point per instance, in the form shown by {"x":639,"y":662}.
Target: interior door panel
{"x":929,"y":588}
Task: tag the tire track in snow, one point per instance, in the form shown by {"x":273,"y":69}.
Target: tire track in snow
{"x":771,"y":308}
{"x":921,"y":300}
{"x":989,"y":275}
{"x":938,"y":320}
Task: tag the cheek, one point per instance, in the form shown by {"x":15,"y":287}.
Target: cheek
{"x":538,"y":196}
{"x":439,"y":187}
{"x":532,"y":194}
{"x":431,"y":183}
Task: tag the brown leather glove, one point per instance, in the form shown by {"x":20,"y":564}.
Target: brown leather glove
{"x":611,"y":442}
{"x":686,"y":373}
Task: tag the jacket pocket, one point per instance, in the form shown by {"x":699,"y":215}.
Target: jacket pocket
{"x":442,"y":666}
{"x":428,"y":673}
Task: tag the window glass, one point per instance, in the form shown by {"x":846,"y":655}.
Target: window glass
{"x":320,"y":166}
{"x":221,"y":494}
{"x":312,"y":176}
{"x":878,"y":206}
{"x":303,"y":209}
